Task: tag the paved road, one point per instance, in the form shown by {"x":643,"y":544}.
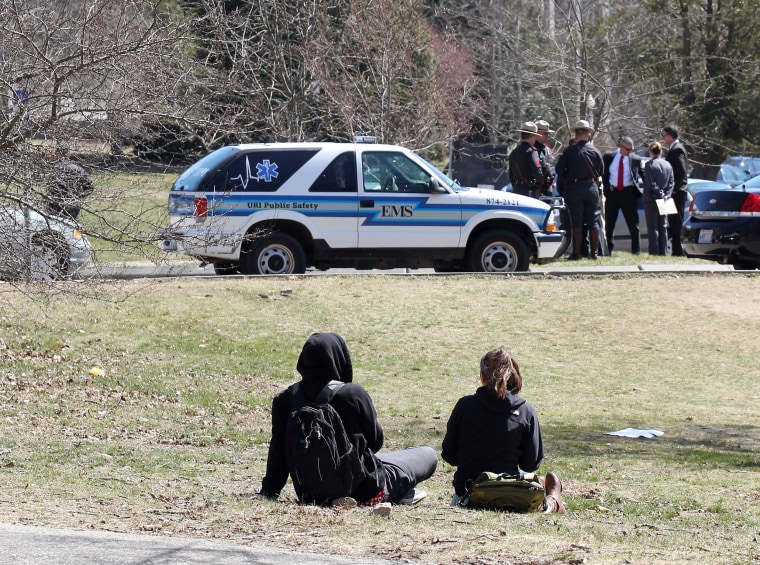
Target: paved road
{"x":31,"y":545}
{"x":146,"y":270}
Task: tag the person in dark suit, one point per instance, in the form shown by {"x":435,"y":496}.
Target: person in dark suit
{"x":677,"y":158}
{"x":658,"y":185}
{"x":623,"y":174}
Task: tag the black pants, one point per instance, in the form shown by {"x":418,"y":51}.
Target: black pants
{"x":404,"y":469}
{"x":675,"y":221}
{"x":626,"y":201}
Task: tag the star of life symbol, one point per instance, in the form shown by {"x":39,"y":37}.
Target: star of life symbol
{"x":266,"y":171}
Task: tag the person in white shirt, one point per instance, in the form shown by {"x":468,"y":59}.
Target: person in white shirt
{"x":623,"y":175}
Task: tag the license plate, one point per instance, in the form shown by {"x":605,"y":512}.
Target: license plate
{"x":705,"y":236}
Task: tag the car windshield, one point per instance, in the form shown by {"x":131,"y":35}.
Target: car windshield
{"x":748,"y":165}
{"x":192,"y":177}
{"x":731,"y":173}
{"x":454,"y":185}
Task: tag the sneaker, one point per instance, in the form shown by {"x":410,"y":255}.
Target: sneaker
{"x":382,"y":509}
{"x":412,"y":497}
{"x":343,"y":503}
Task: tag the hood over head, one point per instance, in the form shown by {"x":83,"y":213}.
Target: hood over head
{"x":325,"y":358}
{"x":492,"y":403}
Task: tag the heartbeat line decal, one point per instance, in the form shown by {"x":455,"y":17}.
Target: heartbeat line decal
{"x":265,"y":171}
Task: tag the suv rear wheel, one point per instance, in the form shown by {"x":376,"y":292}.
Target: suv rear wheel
{"x":498,"y":251}
{"x":274,"y":254}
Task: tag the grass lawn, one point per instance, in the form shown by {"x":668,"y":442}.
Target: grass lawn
{"x":124,"y":213}
{"x":174,"y":433}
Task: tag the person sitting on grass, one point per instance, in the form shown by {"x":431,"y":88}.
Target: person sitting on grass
{"x":494,"y":430}
{"x":390,"y":477}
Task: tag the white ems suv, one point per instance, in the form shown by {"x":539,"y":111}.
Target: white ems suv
{"x":278,"y":208}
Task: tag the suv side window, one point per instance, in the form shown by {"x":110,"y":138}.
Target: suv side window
{"x":261,"y":170}
{"x":388,"y":171}
{"x":338,"y":176}
{"x":192,"y":179}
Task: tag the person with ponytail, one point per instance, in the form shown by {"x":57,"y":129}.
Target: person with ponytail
{"x":495,"y":430}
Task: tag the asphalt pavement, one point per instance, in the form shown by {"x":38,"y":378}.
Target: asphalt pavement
{"x":187,"y":269}
{"x":33,"y":545}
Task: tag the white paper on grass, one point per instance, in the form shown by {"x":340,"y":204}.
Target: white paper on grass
{"x":633,"y":432}
{"x":666,"y":206}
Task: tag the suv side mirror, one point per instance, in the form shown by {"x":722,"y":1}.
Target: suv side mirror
{"x":435,"y":187}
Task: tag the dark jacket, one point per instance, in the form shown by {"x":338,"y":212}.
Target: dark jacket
{"x":525,"y":166}
{"x":579,"y":165}
{"x":324,"y":358}
{"x":70,"y":186}
{"x":678,"y":161}
{"x":485,"y":433}
{"x":658,"y":180}
{"x":637,"y":170}
{"x":547,"y":161}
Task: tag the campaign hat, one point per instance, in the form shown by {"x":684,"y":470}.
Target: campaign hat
{"x":583,"y":125}
{"x":528,"y":127}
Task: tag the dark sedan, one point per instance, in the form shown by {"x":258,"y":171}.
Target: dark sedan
{"x":724,"y":226}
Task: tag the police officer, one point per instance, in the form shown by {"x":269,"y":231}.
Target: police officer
{"x":579,"y":170}
{"x":546,"y":157}
{"x":524,"y":162}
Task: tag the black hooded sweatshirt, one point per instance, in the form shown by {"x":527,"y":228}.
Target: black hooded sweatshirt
{"x":325,"y":358}
{"x":486,"y":433}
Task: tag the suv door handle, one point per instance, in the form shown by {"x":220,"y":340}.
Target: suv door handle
{"x":366,"y":203}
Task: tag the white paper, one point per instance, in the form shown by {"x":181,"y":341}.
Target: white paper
{"x":633,"y":432}
{"x":666,"y":206}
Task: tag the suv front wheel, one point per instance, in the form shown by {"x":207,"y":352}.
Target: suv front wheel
{"x":274,"y":254}
{"x":498,"y":251}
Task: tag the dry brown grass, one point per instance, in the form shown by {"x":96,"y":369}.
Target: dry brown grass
{"x":174,"y":435}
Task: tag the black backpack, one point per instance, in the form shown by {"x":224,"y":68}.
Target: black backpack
{"x":322,"y":462}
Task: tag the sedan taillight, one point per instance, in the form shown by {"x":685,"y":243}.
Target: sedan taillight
{"x":751,"y":205}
